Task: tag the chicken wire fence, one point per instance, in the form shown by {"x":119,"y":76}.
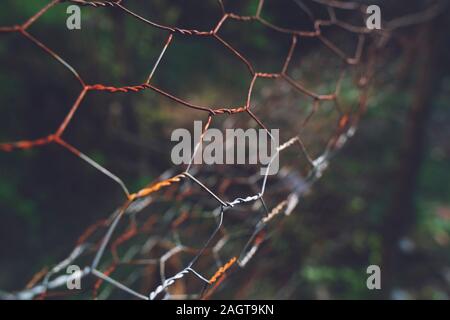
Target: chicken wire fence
{"x":180,"y":236}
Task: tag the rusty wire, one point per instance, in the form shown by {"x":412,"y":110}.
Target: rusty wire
{"x":179,"y":186}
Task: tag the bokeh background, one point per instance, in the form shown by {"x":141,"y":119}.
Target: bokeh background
{"x":384,"y":200}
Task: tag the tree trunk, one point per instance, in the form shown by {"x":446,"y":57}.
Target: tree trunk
{"x":401,"y":216}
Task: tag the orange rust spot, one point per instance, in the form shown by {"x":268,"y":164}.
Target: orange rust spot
{"x":267,"y":75}
{"x":214,"y":288}
{"x":6,"y":147}
{"x":183,"y":216}
{"x":222,"y":270}
{"x":121,"y":239}
{"x":90,"y":230}
{"x":184,"y":194}
{"x":101,"y":87}
{"x":224,"y":186}
{"x":26,"y":144}
{"x":37,"y":277}
{"x":99,"y":282}
{"x":229,"y":110}
{"x":148,"y":225}
{"x":343,"y":121}
{"x":157,"y":186}
{"x":259,"y":238}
